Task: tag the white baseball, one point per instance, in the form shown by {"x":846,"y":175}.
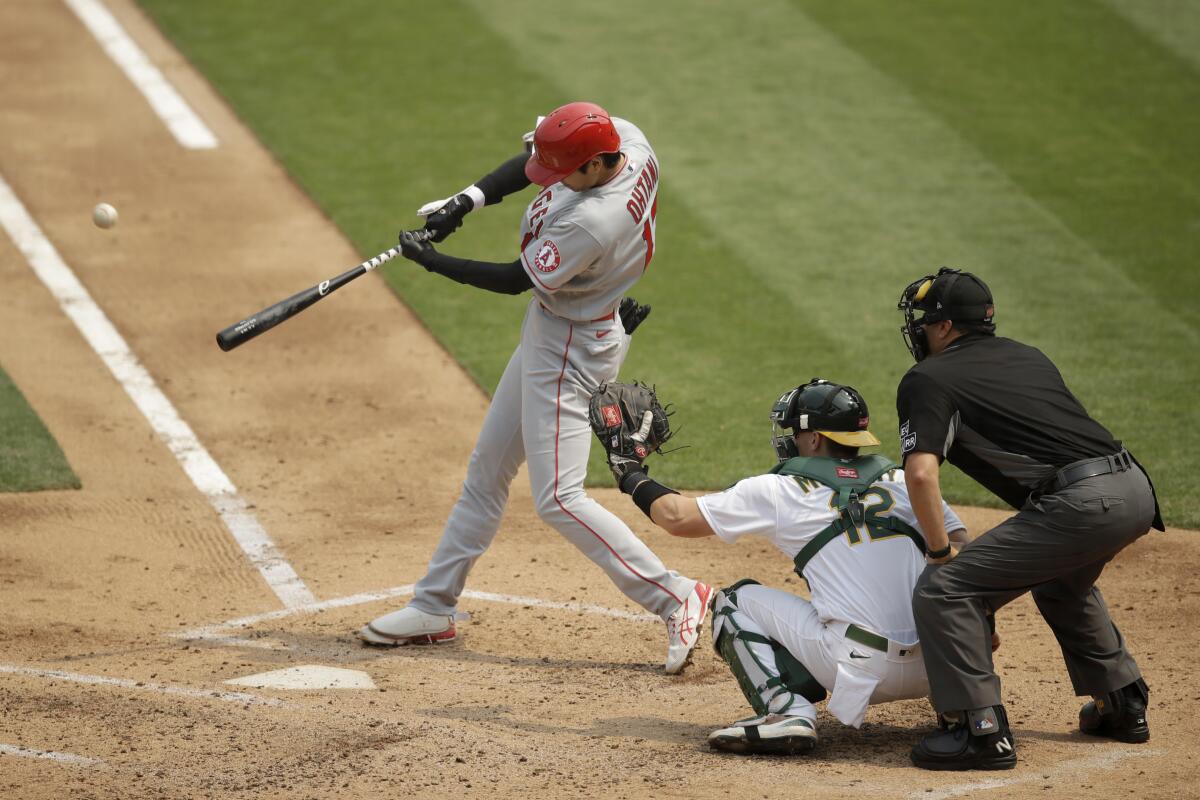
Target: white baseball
{"x":104,"y":215}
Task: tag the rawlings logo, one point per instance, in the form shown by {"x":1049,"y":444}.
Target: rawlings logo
{"x":863,"y":422}
{"x":641,"y":450}
{"x":612,"y":415}
{"x":847,"y":472}
{"x":547,"y":258}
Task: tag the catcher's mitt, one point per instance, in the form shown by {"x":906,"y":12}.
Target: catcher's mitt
{"x":630,"y":424}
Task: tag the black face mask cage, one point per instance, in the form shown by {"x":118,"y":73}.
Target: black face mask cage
{"x":911,"y":330}
{"x":784,"y":444}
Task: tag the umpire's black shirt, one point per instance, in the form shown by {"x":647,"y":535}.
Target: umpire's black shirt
{"x":999,"y":411}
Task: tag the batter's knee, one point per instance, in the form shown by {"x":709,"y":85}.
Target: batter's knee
{"x":554,"y":507}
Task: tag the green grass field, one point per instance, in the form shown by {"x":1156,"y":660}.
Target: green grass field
{"x":30,"y":459}
{"x":816,"y":157}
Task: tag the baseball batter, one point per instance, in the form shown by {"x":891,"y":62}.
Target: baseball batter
{"x":846,"y":522}
{"x":586,"y":239}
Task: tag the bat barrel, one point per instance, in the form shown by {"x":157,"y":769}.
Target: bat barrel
{"x":241,"y":332}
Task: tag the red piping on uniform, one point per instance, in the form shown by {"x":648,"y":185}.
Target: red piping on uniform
{"x":557,"y":429}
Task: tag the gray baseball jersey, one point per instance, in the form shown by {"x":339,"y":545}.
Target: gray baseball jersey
{"x":585,"y":250}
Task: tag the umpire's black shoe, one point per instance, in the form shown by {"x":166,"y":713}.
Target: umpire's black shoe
{"x":1119,"y":715}
{"x":978,"y":739}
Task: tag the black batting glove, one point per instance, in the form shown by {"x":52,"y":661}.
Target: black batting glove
{"x":632,"y":314}
{"x":415,"y":246}
{"x":449,"y":218}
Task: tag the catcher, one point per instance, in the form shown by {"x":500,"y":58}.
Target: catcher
{"x":845,"y":521}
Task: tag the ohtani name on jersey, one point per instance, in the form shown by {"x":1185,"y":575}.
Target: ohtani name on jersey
{"x":643,"y":191}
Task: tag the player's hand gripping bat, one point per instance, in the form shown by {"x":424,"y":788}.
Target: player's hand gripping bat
{"x":241,"y":332}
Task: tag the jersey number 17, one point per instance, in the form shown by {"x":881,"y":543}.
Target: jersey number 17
{"x":648,"y":232}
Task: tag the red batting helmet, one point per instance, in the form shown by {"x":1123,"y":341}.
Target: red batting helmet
{"x":567,"y":139}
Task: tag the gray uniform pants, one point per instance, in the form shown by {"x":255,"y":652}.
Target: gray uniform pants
{"x":1055,"y":548}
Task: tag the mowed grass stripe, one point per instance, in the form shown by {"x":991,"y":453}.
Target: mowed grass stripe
{"x":803,"y":186}
{"x":30,"y":459}
{"x":1089,"y":115}
{"x":1173,"y":23}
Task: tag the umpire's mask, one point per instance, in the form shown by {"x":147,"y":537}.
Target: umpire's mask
{"x":951,"y":294}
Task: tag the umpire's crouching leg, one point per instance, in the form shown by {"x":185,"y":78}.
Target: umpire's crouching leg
{"x":956,"y":641}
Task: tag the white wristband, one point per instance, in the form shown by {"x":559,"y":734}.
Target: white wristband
{"x":476,"y":195}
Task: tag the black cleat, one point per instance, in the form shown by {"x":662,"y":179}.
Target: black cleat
{"x":979,"y":739}
{"x":1119,"y":715}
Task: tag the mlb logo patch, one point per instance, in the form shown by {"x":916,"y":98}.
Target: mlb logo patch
{"x":611,"y":414}
{"x":847,"y":472}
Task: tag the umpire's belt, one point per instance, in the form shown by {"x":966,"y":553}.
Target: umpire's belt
{"x":1088,"y":468}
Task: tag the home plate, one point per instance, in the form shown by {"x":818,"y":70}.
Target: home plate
{"x":309,"y":676}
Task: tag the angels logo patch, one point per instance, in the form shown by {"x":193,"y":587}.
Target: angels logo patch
{"x":547,"y":258}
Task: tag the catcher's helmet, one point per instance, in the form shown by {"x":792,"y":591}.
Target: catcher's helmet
{"x":567,"y":139}
{"x":950,"y":295}
{"x":831,"y":409}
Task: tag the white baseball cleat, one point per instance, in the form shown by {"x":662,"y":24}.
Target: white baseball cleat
{"x":683,"y":627}
{"x":408,"y":626}
{"x":773,"y":734}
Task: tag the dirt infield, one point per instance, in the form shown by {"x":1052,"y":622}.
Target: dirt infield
{"x":336,"y":431}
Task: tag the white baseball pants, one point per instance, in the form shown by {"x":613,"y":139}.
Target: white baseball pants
{"x":539,"y":414}
{"x":855,"y":675}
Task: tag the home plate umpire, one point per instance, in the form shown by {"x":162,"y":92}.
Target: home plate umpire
{"x":999,"y":411}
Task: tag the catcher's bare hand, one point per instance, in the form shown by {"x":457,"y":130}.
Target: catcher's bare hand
{"x":630,"y":424}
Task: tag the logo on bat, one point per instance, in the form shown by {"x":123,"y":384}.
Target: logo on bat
{"x":547,"y":258}
{"x":323,"y":288}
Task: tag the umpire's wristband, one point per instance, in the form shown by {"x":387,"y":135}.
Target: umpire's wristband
{"x":936,"y":554}
{"x":643,"y":489}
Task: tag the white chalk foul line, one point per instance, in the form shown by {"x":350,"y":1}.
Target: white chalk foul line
{"x":1104,"y":760}
{"x":50,"y":755}
{"x":240,"y":698}
{"x":176,"y":114}
{"x":220,"y":631}
{"x":200,"y":467}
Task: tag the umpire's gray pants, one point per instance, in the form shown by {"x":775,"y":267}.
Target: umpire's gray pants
{"x":1054,"y":547}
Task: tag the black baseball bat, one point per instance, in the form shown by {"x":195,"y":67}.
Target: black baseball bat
{"x":257,"y":324}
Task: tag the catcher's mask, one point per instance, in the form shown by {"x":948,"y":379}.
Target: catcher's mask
{"x":831,"y":409}
{"x":951,"y":294}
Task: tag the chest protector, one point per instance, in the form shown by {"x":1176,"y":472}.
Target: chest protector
{"x":850,"y":479}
